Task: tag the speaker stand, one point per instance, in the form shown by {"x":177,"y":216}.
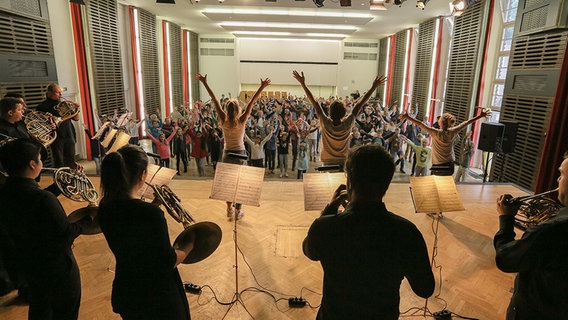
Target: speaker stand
{"x":485,"y":167}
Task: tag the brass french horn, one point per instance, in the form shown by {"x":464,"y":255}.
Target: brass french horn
{"x":534,"y":210}
{"x":42,"y":126}
{"x":206,"y":236}
{"x":76,"y":186}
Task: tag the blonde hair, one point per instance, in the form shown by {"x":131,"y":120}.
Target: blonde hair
{"x":233,"y":110}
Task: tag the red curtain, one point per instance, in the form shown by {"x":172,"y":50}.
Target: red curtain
{"x":80,"y":57}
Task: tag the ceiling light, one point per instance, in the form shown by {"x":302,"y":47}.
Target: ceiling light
{"x":458,"y":7}
{"x":399,"y":2}
{"x":166,"y":1}
{"x":421,"y":4}
{"x":303,"y":13}
{"x":319,"y":3}
{"x":77,"y":2}
{"x":377,"y":5}
{"x":286,"y":25}
{"x":345,"y":3}
{"x":263,"y":33}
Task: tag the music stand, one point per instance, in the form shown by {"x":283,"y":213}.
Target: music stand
{"x":434,"y":195}
{"x":237,"y":184}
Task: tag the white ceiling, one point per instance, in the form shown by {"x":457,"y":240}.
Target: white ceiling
{"x":190,"y":15}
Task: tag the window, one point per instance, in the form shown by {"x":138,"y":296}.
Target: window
{"x":507,"y":39}
{"x":502,"y":64}
{"x":509,"y":10}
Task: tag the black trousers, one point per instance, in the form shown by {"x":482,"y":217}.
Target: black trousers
{"x":63,"y":152}
{"x":56,"y":300}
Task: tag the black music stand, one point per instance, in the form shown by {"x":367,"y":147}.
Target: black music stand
{"x":237,"y":184}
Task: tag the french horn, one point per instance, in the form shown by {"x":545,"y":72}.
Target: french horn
{"x":206,"y":236}
{"x":43,"y":127}
{"x":534,"y":210}
{"x":75,"y":185}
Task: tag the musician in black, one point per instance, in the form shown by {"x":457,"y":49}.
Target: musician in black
{"x":147,"y":284}
{"x":539,"y":258}
{"x":35,"y":223}
{"x":63,"y":147}
{"x":11,"y":115}
{"x":366,"y":251}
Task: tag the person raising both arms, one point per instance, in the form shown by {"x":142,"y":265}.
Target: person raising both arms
{"x":336,"y":127}
{"x":443,"y":155}
{"x":232,"y":121}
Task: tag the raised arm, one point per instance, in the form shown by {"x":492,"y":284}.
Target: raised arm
{"x":216,"y":103}
{"x":263,"y":84}
{"x":484,"y":113}
{"x":302,"y":80}
{"x":419,"y":123}
{"x":379,"y":80}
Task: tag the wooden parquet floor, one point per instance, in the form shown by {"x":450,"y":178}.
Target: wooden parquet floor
{"x":269,"y":237}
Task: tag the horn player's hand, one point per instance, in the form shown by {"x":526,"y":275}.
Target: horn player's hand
{"x":339,"y":198}
{"x":504,"y":208}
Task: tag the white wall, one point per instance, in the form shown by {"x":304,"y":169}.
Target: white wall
{"x":282,"y":56}
{"x":356,"y":74}
{"x":222,"y":71}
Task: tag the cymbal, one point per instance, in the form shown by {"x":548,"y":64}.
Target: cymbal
{"x":207,"y":237}
{"x":79,"y":214}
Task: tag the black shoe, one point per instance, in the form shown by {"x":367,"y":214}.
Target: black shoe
{"x":397,"y":162}
{"x":179,"y":174}
{"x":402,"y":171}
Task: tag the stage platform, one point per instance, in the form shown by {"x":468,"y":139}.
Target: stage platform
{"x":270,"y":237}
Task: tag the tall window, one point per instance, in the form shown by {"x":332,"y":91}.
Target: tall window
{"x":509,"y":13}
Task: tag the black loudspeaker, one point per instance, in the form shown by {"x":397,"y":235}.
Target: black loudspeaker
{"x":490,"y":137}
{"x":509,"y":137}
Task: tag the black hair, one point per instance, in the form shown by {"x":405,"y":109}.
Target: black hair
{"x":8,"y":104}
{"x":121,"y":171}
{"x":369,"y":169}
{"x":337,"y":110}
{"x":15,"y":155}
{"x":14,"y":95}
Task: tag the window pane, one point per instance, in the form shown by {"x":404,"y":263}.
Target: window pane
{"x":503,"y":62}
{"x":510,"y":15}
{"x":502,"y":74}
{"x":497,"y":101}
{"x":498,"y":90}
{"x":508,"y":33}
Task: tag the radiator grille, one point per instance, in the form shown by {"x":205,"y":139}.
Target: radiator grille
{"x":383,"y":44}
{"x":175,"y":64}
{"x":20,"y":35}
{"x":423,"y":66}
{"x":463,"y":65}
{"x":149,"y":60}
{"x":398,"y":66}
{"x":538,"y":51}
{"x":105,"y":54}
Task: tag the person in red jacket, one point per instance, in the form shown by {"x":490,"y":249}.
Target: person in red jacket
{"x":198,"y":148}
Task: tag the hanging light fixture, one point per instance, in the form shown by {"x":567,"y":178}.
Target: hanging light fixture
{"x":319,"y":3}
{"x":458,"y":7}
{"x":421,"y":4}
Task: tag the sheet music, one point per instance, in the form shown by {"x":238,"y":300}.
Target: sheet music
{"x":433,"y":194}
{"x":237,"y":183}
{"x":319,"y":188}
{"x":249,"y":186}
{"x":163,"y":176}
